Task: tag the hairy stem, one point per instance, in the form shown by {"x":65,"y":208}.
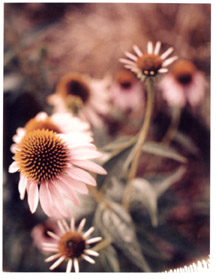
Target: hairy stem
{"x":141,"y":139}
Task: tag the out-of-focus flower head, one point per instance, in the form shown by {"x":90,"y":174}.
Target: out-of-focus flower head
{"x":52,"y":164}
{"x":61,"y":123}
{"x":148,"y":64}
{"x":70,"y":245}
{"x":40,"y":235}
{"x":183,"y":84}
{"x":81,"y":95}
{"x":127,"y":92}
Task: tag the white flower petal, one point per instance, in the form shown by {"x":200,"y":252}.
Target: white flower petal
{"x":33,"y":196}
{"x":88,"y":259}
{"x":167,"y":53}
{"x":81,"y":225}
{"x":22,"y":186}
{"x":69,"y":265}
{"x":13,"y":167}
{"x":169,"y":61}
{"x":157,"y":48}
{"x":53,"y":257}
{"x":149,"y":48}
{"x":91,"y":253}
{"x":131,"y":56}
{"x":137,"y":51}
{"x":57,"y":263}
{"x":76,"y":265}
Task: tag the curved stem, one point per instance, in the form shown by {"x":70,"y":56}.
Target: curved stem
{"x":171,"y":132}
{"x":141,"y":139}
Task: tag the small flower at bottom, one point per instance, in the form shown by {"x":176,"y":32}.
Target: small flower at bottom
{"x":70,"y":245}
{"x":52,"y":165}
{"x":148,"y":64}
{"x":183,"y":84}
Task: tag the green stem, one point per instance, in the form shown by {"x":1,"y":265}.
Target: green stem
{"x":171,"y":132}
{"x":141,"y":139}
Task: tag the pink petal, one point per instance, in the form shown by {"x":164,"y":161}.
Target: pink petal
{"x":90,"y":166}
{"x":81,"y":175}
{"x":57,"y":199}
{"x":44,"y":199}
{"x":22,"y":186}
{"x":82,"y":153}
{"x":73,"y":183}
{"x":47,"y":203}
{"x":32,"y":190}
{"x":68,"y":191}
{"x":13,"y":167}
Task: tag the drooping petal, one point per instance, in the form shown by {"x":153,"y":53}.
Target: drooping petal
{"x":88,"y":259}
{"x":57,"y":199}
{"x":53,"y":257}
{"x":72,"y":183}
{"x":70,"y":194}
{"x":44,"y":199}
{"x":82,"y":153}
{"x":76,"y":265}
{"x":81,"y":175}
{"x":33,"y":196}
{"x":57,"y":263}
{"x":13,"y":167}
{"x":22,"y":186}
{"x":90,"y":166}
{"x":69,"y":265}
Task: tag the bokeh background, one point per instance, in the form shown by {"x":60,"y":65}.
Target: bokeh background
{"x":42,"y":42}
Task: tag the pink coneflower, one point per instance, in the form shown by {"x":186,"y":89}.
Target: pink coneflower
{"x":148,"y":64}
{"x":183,"y":84}
{"x":81,"y":95}
{"x":127,"y":93}
{"x":39,"y":233}
{"x":52,"y":165}
{"x":61,"y":123}
{"x":70,"y":245}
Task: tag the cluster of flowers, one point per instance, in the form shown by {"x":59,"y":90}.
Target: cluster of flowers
{"x":54,"y":154}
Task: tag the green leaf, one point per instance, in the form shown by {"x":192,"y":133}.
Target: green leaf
{"x":143,"y":193}
{"x":162,"y":185}
{"x":115,"y":223}
{"x":187,"y":143}
{"x":119,"y":143}
{"x":113,"y":166}
{"x":163,"y":151}
{"x":109,"y":259}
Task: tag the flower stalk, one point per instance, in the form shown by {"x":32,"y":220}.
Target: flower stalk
{"x":141,"y":139}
